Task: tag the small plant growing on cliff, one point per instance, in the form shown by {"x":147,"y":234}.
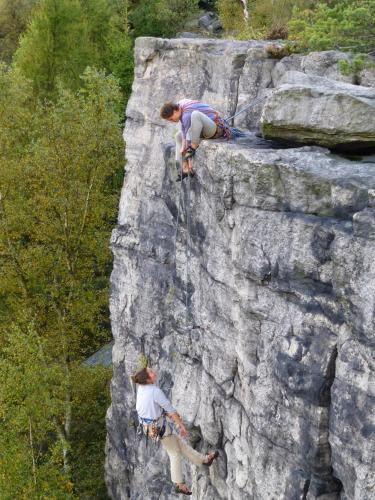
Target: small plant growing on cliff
{"x":142,"y":362}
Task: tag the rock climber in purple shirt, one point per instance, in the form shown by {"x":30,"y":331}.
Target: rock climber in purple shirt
{"x":198,"y":121}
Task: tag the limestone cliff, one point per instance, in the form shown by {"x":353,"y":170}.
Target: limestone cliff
{"x":264,"y":341}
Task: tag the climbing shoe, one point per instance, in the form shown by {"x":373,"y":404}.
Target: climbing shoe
{"x":182,"y":491}
{"x":189,"y":153}
{"x":184,"y":174}
{"x":214,"y":457}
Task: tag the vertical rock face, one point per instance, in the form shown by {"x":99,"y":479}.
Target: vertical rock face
{"x":251,"y":290}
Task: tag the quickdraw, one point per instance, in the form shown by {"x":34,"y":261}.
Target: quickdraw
{"x":222,"y":126}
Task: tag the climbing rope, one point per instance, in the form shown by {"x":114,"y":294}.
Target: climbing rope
{"x":244,"y":109}
{"x":188,"y":219}
{"x":188,"y":238}
{"x":188,"y":234}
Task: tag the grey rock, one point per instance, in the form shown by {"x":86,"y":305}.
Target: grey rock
{"x":312,"y":109}
{"x":272,"y":360}
{"x":210,"y":22}
{"x":102,"y":357}
{"x":325,"y":64}
{"x":187,"y":34}
{"x":367,"y":77}
{"x":254,"y":85}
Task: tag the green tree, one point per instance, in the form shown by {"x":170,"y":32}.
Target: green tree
{"x":59,"y":185}
{"x":57,"y":207}
{"x":34,"y":433}
{"x":231,"y":15}
{"x":14,"y":16}
{"x":344,"y":25}
{"x":66,"y":36}
{"x":258,"y":18}
{"x":160,"y":17}
{"x":55,"y":46}
{"x":31,"y":460}
{"x":120,"y":46}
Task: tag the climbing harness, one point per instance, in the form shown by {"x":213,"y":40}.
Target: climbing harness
{"x":153,"y":429}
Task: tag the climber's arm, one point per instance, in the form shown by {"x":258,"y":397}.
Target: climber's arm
{"x":177,"y":420}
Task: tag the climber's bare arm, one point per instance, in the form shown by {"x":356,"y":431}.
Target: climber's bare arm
{"x":177,"y":420}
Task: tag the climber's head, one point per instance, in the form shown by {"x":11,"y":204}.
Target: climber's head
{"x":145,"y":376}
{"x":170,"y":111}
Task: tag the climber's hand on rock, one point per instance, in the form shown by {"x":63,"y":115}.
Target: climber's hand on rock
{"x":183,"y":431}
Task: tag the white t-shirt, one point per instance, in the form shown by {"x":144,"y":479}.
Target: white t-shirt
{"x":151,"y":401}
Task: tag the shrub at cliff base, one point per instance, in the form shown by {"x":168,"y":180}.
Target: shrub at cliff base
{"x":35,"y":436}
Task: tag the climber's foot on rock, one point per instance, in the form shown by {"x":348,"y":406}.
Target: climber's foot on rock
{"x":183,"y":489}
{"x":210,"y":458}
{"x":179,"y":178}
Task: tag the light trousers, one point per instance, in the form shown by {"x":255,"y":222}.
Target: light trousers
{"x":202,"y":127}
{"x":177,"y":448}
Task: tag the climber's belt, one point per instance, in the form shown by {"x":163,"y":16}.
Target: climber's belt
{"x":153,"y":429}
{"x":218,"y":133}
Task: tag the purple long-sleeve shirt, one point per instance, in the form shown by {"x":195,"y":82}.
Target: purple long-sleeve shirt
{"x":188,"y":106}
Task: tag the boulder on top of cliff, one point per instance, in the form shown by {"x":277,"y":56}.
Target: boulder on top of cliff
{"x":326,"y":64}
{"x":210,"y":22}
{"x":314,"y":110}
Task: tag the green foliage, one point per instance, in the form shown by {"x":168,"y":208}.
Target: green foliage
{"x":345,"y":25}
{"x":91,"y":398}
{"x":66,"y":36}
{"x":160,"y":17}
{"x":270,"y":17}
{"x":31,"y":404}
{"x":231,"y":15}
{"x":34,"y":431}
{"x":267,"y":18}
{"x":57,"y":208}
{"x":120,"y":59}
{"x":355,"y":66}
{"x":55,"y":46}
{"x":14,"y":16}
{"x":59,"y":185}
{"x":142,"y":362}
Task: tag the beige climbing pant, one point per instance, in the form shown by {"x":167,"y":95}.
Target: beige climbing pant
{"x":202,"y":127}
{"x":177,"y":448}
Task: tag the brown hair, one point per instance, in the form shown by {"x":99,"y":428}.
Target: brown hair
{"x":168,"y":109}
{"x":141,"y":377}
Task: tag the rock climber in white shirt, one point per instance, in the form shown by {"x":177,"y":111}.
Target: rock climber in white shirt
{"x":153,"y":408}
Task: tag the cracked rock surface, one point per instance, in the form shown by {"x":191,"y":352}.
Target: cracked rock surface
{"x":317,"y":110}
{"x":251,"y":291}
